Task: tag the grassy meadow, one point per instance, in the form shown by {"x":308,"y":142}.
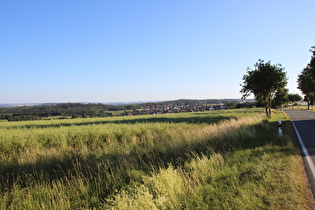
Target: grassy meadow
{"x":227,"y":159}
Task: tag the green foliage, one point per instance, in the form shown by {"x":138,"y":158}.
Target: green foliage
{"x":74,"y":110}
{"x":265,"y":81}
{"x":281,"y":98}
{"x":306,"y":81}
{"x":311,"y":64}
{"x":293,"y":98}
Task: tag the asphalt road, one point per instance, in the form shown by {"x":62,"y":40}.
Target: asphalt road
{"x":304,"y":124}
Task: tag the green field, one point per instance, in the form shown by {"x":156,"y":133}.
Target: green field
{"x":228,"y":159}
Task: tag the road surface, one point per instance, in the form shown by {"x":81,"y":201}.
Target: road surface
{"x":304,"y":125}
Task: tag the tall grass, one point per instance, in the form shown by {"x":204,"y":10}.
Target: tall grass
{"x":228,"y":159}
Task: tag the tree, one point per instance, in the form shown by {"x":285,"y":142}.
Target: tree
{"x":294,"y":98}
{"x":311,"y":65}
{"x":281,"y":98}
{"x":306,"y":80}
{"x":306,"y":83}
{"x":265,"y":81}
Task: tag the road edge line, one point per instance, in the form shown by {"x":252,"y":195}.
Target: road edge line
{"x":307,"y":155}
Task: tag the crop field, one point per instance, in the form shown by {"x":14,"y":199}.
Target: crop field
{"x":227,"y":159}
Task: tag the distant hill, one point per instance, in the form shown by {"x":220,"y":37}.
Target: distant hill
{"x":20,"y":104}
{"x":204,"y":101}
{"x":130,"y":103}
{"x":37,"y":111}
{"x":178,"y":101}
{"x":18,"y":112}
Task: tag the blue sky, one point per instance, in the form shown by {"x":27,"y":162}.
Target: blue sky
{"x":109,"y":51}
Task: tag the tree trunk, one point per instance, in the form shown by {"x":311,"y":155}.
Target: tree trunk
{"x":267,"y":111}
{"x":308,"y":104}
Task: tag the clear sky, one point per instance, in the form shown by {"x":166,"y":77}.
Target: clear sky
{"x":144,"y":50}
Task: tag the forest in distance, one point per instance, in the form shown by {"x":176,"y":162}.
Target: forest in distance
{"x":86,"y":110}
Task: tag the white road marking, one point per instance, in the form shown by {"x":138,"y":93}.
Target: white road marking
{"x":307,"y":155}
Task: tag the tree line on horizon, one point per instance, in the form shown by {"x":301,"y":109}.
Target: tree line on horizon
{"x":73,"y":110}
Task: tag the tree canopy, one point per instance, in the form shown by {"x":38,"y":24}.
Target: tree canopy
{"x":266,"y":81}
{"x":293,"y":98}
{"x":306,"y":80}
{"x":311,"y":65}
{"x":281,"y":98}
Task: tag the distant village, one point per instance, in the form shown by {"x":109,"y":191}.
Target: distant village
{"x":82,"y":110}
{"x":172,"y":108}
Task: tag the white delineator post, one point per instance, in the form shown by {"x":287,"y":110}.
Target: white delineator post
{"x":280,"y":127}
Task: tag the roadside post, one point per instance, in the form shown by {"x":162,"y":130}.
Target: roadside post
{"x":280,"y":127}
